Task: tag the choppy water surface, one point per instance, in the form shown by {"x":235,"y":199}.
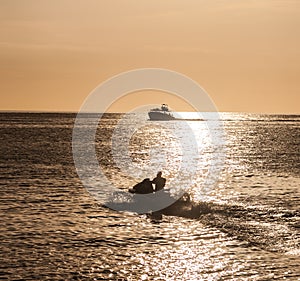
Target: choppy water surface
{"x":52,"y":228}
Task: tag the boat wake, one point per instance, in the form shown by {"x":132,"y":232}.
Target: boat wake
{"x":259,"y":227}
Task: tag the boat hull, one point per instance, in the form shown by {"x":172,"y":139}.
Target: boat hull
{"x":181,"y":207}
{"x":159,"y":116}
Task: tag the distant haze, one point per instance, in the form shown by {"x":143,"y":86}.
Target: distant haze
{"x":244,"y":53}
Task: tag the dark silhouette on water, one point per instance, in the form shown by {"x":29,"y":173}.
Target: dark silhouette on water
{"x":159,"y":182}
{"x":179,"y":207}
{"x":143,"y":187}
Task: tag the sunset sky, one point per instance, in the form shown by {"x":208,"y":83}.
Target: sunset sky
{"x":244,"y":53}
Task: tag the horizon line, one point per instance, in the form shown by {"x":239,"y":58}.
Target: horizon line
{"x":77,"y":112}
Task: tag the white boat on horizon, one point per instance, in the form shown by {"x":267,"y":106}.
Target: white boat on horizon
{"x":161,"y":114}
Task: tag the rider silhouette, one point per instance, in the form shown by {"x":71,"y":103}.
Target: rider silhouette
{"x":159,"y":182}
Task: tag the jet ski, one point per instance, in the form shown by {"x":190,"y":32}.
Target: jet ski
{"x":154,"y":204}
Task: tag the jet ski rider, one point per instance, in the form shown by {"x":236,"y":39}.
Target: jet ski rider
{"x":159,"y":182}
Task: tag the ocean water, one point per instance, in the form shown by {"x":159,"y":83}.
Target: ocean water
{"x":53,"y":228}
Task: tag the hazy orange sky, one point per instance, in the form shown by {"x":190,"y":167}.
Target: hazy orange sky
{"x":244,"y":53}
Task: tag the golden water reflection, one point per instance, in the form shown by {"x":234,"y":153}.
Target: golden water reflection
{"x":177,"y":249}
